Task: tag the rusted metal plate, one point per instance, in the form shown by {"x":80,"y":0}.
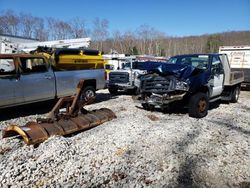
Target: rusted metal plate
{"x":82,"y":122}
{"x":111,"y":115}
{"x":91,"y":118}
{"x":52,"y":129}
{"x":101,"y":116}
{"x":32,"y":133}
{"x":35,"y":133}
{"x":68,"y":126}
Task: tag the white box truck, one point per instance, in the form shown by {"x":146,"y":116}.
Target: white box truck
{"x":239,"y":59}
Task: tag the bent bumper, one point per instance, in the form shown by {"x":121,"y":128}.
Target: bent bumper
{"x":159,"y":100}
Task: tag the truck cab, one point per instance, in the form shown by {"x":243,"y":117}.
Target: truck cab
{"x":194,"y":79}
{"x":20,"y":75}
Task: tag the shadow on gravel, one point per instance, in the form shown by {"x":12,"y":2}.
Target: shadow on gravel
{"x":214,"y":105}
{"x":40,"y":107}
{"x":26,"y":110}
{"x":245,"y":108}
{"x":101,"y":97}
{"x":179,"y":108}
{"x":186,"y":176}
{"x":231,"y":127}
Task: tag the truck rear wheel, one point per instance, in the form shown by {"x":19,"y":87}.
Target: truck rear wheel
{"x":198,"y":105}
{"x":113,"y":90}
{"x":235,"y":94}
{"x":89,"y":94}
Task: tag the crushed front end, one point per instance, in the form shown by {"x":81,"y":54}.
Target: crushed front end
{"x":159,"y":91}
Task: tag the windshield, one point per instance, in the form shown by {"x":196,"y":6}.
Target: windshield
{"x":135,"y":65}
{"x":197,"y":61}
{"x":109,"y":67}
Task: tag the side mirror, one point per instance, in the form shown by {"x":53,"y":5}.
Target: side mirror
{"x":213,"y":71}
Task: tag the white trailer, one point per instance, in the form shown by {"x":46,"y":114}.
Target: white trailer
{"x":239,"y":59}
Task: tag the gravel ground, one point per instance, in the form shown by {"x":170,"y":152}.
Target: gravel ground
{"x":138,"y":149}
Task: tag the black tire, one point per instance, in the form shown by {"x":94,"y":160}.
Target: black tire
{"x":148,"y":107}
{"x":235,"y":94}
{"x":88,"y":94}
{"x":198,"y":105}
{"x":113,"y":90}
{"x":136,"y":91}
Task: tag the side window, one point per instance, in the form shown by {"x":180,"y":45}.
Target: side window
{"x":172,"y":60}
{"x":217,"y":67}
{"x":7,"y":66}
{"x":33,"y":65}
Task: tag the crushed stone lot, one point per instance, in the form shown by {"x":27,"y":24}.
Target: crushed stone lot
{"x":137,"y":149}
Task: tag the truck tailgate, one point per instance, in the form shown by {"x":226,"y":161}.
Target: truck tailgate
{"x":236,"y":77}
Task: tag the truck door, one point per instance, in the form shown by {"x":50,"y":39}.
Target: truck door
{"x":217,"y":76}
{"x":10,"y":89}
{"x":37,"y":79}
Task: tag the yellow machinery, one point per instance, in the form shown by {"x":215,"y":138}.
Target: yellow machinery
{"x":72,"y":59}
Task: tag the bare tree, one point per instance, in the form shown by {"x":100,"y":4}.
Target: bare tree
{"x":78,"y":27}
{"x":59,"y":29}
{"x":40,"y":32}
{"x":129,"y":40}
{"x":159,"y":43}
{"x":118,"y":42}
{"x":100,"y":32}
{"x":32,"y":27}
{"x":9,"y":23}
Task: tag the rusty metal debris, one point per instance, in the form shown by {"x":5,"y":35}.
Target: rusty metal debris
{"x":74,"y":119}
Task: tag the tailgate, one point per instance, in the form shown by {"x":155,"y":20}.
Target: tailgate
{"x":236,"y":77}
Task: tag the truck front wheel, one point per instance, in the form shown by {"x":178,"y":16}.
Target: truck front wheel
{"x":88,"y":94}
{"x":198,"y":105}
{"x":235,"y":94}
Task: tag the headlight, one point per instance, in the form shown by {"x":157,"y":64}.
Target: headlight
{"x":180,"y":85}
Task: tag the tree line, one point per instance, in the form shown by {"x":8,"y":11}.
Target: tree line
{"x":142,"y":40}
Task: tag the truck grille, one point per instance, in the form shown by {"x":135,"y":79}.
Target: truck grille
{"x":118,"y":77}
{"x":157,"y":84}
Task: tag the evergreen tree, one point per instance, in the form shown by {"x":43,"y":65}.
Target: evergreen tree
{"x":213,"y":43}
{"x":134,"y":51}
{"x":163,"y":53}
